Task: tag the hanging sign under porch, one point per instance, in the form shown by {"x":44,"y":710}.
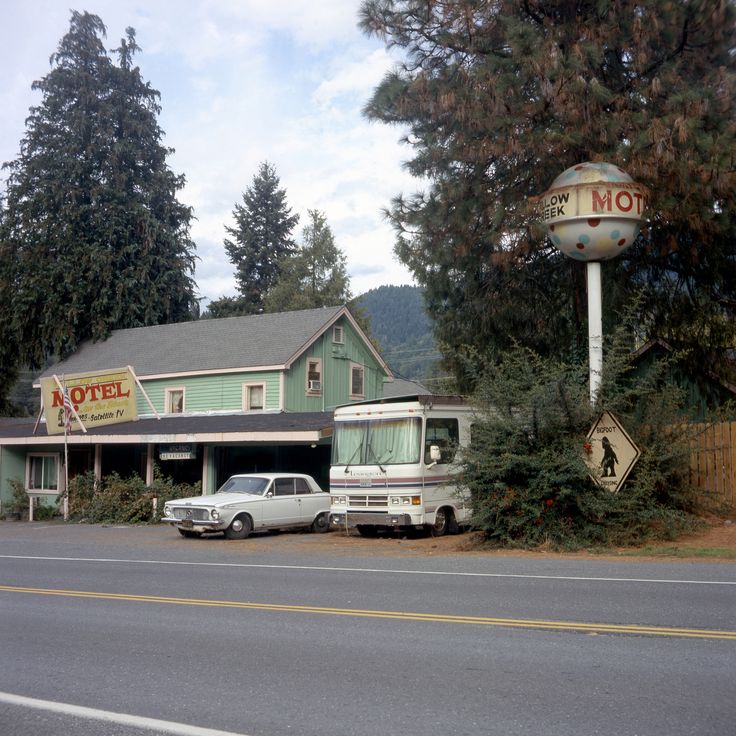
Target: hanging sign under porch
{"x":180,"y":451}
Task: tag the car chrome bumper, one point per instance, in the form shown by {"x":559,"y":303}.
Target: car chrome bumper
{"x":199,"y":525}
{"x":351,"y":520}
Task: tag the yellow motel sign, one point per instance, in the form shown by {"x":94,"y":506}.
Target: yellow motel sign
{"x":98,"y":398}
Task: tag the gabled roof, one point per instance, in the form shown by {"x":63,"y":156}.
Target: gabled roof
{"x":231,"y":343}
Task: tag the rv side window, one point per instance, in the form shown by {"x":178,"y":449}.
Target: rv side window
{"x":443,"y":433}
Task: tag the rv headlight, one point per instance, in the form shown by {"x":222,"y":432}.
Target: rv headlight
{"x":395,"y":500}
{"x":338,"y":500}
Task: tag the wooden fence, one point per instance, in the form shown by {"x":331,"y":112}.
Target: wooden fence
{"x":713,"y":465}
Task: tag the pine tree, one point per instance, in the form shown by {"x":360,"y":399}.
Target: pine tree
{"x":261,"y":238}
{"x":315,"y":276}
{"x":498,"y":98}
{"x":92,"y":234}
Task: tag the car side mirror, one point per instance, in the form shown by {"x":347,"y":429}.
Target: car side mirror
{"x":269,"y":494}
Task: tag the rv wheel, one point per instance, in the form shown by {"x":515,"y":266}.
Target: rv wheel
{"x":441,"y":523}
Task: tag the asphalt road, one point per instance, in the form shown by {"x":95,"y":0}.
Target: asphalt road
{"x":128,"y":631}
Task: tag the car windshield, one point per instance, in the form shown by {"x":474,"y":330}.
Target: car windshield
{"x":244,"y":484}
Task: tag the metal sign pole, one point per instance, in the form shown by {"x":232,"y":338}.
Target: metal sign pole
{"x":595,"y":329}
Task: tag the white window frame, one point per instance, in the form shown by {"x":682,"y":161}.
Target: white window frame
{"x":167,"y":399}
{"x":361,"y":368}
{"x":318,"y":363}
{"x":29,"y":463}
{"x":338,"y":334}
{"x":247,"y":389}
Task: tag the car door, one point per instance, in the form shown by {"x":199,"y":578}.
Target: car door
{"x":282,"y":507}
{"x":311,"y":504}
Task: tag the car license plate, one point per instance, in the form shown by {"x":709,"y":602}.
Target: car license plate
{"x":186,"y":524}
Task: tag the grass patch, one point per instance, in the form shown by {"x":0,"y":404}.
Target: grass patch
{"x":682,"y":552}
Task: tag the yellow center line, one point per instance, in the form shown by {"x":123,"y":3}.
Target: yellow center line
{"x":597,"y":628}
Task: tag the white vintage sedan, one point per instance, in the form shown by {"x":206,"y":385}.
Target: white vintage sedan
{"x":253,"y":502}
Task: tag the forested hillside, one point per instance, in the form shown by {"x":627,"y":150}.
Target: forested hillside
{"x":400,"y":325}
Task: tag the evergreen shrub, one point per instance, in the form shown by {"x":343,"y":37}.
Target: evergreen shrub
{"x":526,"y":470}
{"x":117,"y":500}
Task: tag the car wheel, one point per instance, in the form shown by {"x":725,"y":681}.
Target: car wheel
{"x":441,"y":523}
{"x":240,"y":527}
{"x":189,"y":534}
{"x":321,"y":524}
{"x":367,"y":530}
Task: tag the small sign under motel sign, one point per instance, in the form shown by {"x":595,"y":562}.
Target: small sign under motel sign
{"x":184,"y":451}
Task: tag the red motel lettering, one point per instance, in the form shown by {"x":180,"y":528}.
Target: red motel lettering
{"x":623,"y":201}
{"x":91,"y":392}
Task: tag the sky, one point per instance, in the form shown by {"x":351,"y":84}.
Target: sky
{"x":242,"y":82}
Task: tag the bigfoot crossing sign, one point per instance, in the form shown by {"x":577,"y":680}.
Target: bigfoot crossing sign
{"x":610,"y":452}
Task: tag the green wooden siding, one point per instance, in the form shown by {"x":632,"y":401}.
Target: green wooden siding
{"x":337,"y":360}
{"x":13,"y":467}
{"x":223,"y":392}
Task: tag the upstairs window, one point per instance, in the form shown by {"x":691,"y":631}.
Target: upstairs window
{"x":254,"y":396}
{"x":357,"y":381}
{"x":314,"y":376}
{"x":338,"y":335}
{"x":174,"y":400}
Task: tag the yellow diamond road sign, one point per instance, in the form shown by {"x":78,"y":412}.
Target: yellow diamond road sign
{"x":611,"y":453}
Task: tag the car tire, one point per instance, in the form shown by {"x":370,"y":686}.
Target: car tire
{"x":240,"y":527}
{"x":321,"y":524}
{"x":189,"y":534}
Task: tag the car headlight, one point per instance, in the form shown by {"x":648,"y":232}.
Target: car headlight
{"x":215,"y":514}
{"x":167,"y":511}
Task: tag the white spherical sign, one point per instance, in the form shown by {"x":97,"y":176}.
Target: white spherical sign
{"x":593,"y":211}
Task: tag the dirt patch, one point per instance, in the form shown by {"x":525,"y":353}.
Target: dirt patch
{"x":718,"y":535}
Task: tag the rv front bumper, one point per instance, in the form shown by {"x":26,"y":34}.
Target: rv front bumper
{"x":351,"y":520}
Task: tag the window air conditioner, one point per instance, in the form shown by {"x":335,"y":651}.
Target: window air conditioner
{"x":315,"y":385}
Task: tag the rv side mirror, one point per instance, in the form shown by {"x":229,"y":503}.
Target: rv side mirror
{"x":434,"y":453}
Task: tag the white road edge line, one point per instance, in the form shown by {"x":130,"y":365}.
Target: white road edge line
{"x":125,"y":719}
{"x":371,"y":570}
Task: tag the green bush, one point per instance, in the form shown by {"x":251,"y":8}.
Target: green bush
{"x":19,"y":498}
{"x":116,"y":500}
{"x":526,"y":469}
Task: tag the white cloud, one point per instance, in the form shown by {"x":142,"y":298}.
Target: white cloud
{"x":243,"y":81}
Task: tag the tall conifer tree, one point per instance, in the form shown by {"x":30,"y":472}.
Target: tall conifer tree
{"x":500,"y":97}
{"x":93,"y":236}
{"x":316,"y":275}
{"x":261,"y":238}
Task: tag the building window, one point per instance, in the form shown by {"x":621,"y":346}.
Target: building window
{"x":254,"y":396}
{"x":357,"y":381}
{"x":314,"y":376}
{"x":174,"y":400}
{"x":42,"y":472}
{"x":338,"y":335}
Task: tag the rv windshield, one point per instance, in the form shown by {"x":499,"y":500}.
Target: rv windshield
{"x":377,"y":442}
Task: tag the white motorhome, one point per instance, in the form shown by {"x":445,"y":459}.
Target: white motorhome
{"x":393,"y":463}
